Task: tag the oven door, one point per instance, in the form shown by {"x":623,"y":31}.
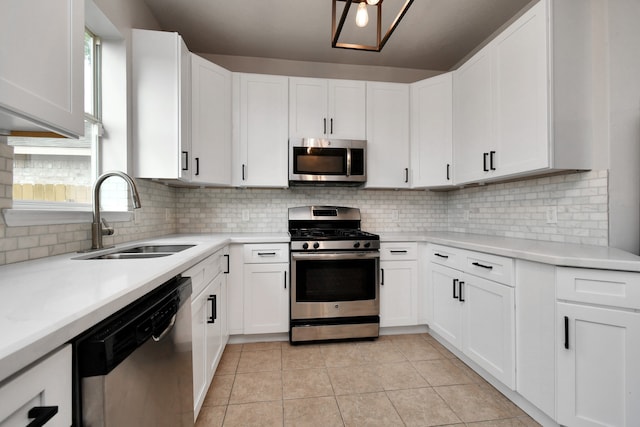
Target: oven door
{"x":336,"y":284}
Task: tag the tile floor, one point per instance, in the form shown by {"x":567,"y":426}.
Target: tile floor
{"x":399,"y":380}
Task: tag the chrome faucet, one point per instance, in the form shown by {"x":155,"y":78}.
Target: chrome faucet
{"x":97,"y":229}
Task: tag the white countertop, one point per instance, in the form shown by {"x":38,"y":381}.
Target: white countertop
{"x":47,"y":302}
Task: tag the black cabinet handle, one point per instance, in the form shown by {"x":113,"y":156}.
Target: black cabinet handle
{"x":382,"y":276}
{"x":42,"y":414}
{"x":185,"y":160}
{"x":460,"y":291}
{"x":566,"y":332}
{"x":448,"y":171}
{"x":214,"y":313}
{"x":331,"y":129}
{"x":477,"y":264}
{"x":285,"y":280}
{"x":455,"y":282}
{"x":484,"y":162}
{"x":228,"y":263}
{"x":406,"y":174}
{"x":441,"y":256}
{"x":491,"y":158}
{"x":197,"y":166}
{"x":243,"y":172}
{"x":325,"y":126}
{"x":398,"y":251}
{"x":266,"y":254}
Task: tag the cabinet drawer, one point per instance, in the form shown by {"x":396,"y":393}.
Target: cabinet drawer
{"x":266,"y":254}
{"x":206,"y":270}
{"x":444,"y":255}
{"x":602,"y":287}
{"x":398,"y":251}
{"x":47,"y":383}
{"x":493,"y":267}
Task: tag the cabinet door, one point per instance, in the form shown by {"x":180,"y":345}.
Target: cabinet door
{"x":431,"y":132}
{"x":347,"y":109}
{"x":199,"y":348}
{"x":161,"y":99}
{"x":489,"y":326}
{"x":473,"y":118}
{"x":387,"y":135}
{"x":521,"y":81}
{"x":446,"y":307}
{"x":210,"y":122}
{"x":598,"y":369}
{"x":263,"y":131}
{"x":398,"y":293}
{"x":41,"y":66}
{"x":266,"y":302}
{"x":308,"y":108}
{"x":215,"y":313}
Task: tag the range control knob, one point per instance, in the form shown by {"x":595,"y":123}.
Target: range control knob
{"x":356,"y":245}
{"x":316,"y":245}
{"x":305,"y":246}
{"x":367,"y":245}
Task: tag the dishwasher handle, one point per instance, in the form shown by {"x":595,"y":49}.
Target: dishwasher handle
{"x":168,"y":329}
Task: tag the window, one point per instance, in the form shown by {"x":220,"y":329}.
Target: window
{"x":59,"y":172}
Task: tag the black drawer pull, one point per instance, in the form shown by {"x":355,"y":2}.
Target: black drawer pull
{"x":214,"y":310}
{"x":228,"y":263}
{"x":566,"y":332}
{"x":460,"y":288}
{"x":185,"y":160}
{"x":243,"y":174}
{"x":491,"y":158}
{"x":404,"y":251}
{"x":455,"y":282}
{"x":42,"y":414}
{"x":266,"y":254}
{"x":448,"y":171}
{"x":382,"y":276}
{"x":477,"y":264}
{"x":406,"y":174}
{"x":441,"y":256}
{"x":197,"y":166}
{"x":484,"y":162}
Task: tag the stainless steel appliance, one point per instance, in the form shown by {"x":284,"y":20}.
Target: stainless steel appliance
{"x":334,"y":275}
{"x":135,"y":368}
{"x":317,"y":161}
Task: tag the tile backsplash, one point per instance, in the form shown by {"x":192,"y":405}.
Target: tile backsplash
{"x":514,"y":209}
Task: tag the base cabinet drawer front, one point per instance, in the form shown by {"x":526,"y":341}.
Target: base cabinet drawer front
{"x":497,"y":268}
{"x":601,"y":287}
{"x":261,"y":254}
{"x":45,"y":384}
{"x":446,"y":255}
{"x":398,"y":251}
{"x":598,"y":375}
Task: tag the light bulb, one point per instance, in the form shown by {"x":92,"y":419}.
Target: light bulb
{"x":373,"y":2}
{"x":362,"y":17}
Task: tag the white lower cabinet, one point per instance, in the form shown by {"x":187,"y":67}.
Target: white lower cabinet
{"x":266,"y":298}
{"x":398,"y":284}
{"x":45,"y":384}
{"x":446,"y":309}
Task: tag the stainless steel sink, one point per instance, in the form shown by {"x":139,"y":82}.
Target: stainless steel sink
{"x":140,"y":252}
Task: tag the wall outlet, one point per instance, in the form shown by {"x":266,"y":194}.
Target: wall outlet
{"x":245,"y":215}
{"x":395,"y":215}
{"x":465,"y":215}
{"x":552,"y":214}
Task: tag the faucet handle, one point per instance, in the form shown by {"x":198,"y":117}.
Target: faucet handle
{"x":107,"y":230}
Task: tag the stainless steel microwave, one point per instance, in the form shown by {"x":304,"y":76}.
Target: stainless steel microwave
{"x":318,"y":161}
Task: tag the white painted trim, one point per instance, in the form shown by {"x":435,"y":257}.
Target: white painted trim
{"x":20,"y":217}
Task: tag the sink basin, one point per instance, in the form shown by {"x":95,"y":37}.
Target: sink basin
{"x":141,"y":252}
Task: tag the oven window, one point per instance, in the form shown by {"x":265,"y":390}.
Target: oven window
{"x":335,"y":280}
{"x":320,"y":161}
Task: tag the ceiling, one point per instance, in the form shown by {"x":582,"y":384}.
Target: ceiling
{"x":433,"y":35}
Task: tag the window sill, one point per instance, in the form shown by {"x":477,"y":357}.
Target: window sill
{"x":20,"y":217}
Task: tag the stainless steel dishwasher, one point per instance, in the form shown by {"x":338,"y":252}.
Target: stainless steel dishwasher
{"x":135,"y":368}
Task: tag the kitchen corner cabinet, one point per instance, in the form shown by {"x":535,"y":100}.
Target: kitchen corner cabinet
{"x":387,"y":135}
{"x":398,"y":284}
{"x":431,"y":132}
{"x":520,"y":108}
{"x":209,"y":325}
{"x":333,"y":108}
{"x":473,"y":307}
{"x":47,"y":383}
{"x":42,"y":66}
{"x":598,"y":345}
{"x":260,"y":130}
{"x":210,"y":123}
{"x":266,"y":288}
{"x":161,"y":86}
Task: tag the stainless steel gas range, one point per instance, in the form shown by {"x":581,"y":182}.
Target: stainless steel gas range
{"x":334,"y":275}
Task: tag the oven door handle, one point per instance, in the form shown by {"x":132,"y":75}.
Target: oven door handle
{"x":334,"y":255}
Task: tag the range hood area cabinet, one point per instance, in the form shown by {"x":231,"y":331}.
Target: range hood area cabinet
{"x":181,"y":112}
{"x":523,"y":104}
{"x":42,"y":67}
{"x":260,"y":130}
{"x":329,"y":108}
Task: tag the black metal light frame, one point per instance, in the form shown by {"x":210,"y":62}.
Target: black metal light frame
{"x":381,"y":41}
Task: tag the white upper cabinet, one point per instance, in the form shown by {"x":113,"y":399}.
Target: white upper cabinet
{"x":211,"y":122}
{"x":161,"y":106}
{"x":41,"y":66}
{"x":522,"y":104}
{"x":431,"y":132}
{"x":260,"y":133}
{"x":326,"y":108}
{"x":387,"y":135}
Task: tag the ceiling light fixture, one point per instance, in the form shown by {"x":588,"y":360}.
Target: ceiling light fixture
{"x":362,"y":19}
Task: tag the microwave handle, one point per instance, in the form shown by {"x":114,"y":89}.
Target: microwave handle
{"x":348,"y":161}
